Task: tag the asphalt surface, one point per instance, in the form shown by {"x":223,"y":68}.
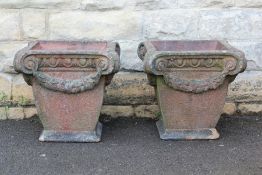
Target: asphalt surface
{"x":132,"y":146}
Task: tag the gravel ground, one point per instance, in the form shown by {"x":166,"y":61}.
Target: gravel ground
{"x":132,"y":146}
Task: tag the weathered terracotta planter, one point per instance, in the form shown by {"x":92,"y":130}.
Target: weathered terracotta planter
{"x":68,"y":80}
{"x":191,"y":80}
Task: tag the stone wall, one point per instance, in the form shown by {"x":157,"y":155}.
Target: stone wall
{"x":130,"y":22}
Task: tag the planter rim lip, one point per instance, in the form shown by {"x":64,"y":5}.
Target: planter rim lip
{"x":228,"y":48}
{"x":111,"y":51}
{"x":151,"y":54}
{"x":32,"y":44}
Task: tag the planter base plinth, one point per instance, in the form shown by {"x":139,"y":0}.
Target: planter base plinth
{"x":72,"y":136}
{"x":186,"y":134}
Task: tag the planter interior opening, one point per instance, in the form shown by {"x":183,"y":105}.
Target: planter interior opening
{"x":69,"y":45}
{"x":204,"y":45}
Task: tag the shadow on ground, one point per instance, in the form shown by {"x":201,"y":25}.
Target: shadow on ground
{"x":132,"y":146}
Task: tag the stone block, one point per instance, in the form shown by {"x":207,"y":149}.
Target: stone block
{"x":30,"y":112}
{"x":3,"y":113}
{"x":40,"y":4}
{"x":250,"y":109}
{"x":7,"y":66}
{"x":94,"y":5}
{"x":171,"y":24}
{"x":128,"y":58}
{"x":15,"y":113}
{"x":21,"y":92}
{"x":229,"y":108}
{"x":7,"y":53}
{"x":253,"y":52}
{"x":129,"y":88}
{"x":109,"y":25}
{"x":9,"y":23}
{"x":8,"y":49}
{"x":153,"y":4}
{"x":135,"y":5}
{"x":5,"y":87}
{"x":147,"y":111}
{"x":33,"y":22}
{"x":117,"y":111}
{"x":230,"y":24}
{"x":247,"y":87}
{"x":205,"y":3}
{"x":248,"y":3}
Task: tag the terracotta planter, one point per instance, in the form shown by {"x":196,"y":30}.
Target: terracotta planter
{"x":191,"y":79}
{"x":68,"y":80}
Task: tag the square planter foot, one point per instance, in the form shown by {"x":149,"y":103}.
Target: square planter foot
{"x":180,"y":134}
{"x":72,"y":136}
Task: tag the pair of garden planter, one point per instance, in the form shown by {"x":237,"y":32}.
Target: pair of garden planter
{"x":191,"y":80}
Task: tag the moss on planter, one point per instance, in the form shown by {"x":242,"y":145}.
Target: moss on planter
{"x":158,"y":115}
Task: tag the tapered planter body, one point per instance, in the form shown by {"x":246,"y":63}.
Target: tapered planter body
{"x":191,"y":80}
{"x":68,"y":80}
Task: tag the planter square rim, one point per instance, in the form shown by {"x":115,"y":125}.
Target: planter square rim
{"x":109,"y":49}
{"x":149,"y":52}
